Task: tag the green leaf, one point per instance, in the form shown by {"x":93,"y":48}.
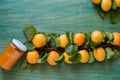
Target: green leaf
{"x":32,"y":67}
{"x":115,"y":16}
{"x":29,"y":32}
{"x":88,"y":38}
{"x":108,"y":36}
{"x":100,"y":12}
{"x":91,"y":59}
{"x":23,"y":64}
{"x":70,"y":49}
{"x":29,"y":46}
{"x":70,"y":37}
{"x":109,"y":53}
{"x":60,"y":59}
{"x":43,"y":59}
{"x":54,"y":40}
{"x":46,"y":36}
{"x":94,"y":44}
{"x":116,"y":54}
{"x":57,"y":42}
{"x":75,"y":58}
{"x":114,"y":4}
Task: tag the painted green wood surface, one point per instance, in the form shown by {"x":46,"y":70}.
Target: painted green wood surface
{"x":56,"y":16}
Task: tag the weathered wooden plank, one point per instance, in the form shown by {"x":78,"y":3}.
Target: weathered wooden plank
{"x":56,"y":16}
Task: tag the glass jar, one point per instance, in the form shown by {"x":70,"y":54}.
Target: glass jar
{"x":12,"y":54}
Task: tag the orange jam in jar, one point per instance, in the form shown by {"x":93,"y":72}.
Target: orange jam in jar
{"x":12,"y":54}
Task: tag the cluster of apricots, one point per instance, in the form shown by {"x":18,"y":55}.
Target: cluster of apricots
{"x":106,"y":5}
{"x":43,"y":51}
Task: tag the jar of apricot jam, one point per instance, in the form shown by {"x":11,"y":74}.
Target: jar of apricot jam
{"x":12,"y":54}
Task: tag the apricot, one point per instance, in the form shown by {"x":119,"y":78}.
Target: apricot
{"x":52,"y":56}
{"x":63,"y":40}
{"x":79,"y":39}
{"x":116,"y":40}
{"x":67,"y":57}
{"x":99,"y":54}
{"x":96,"y":1}
{"x":39,"y":40}
{"x":84,"y":56}
{"x":118,"y":3}
{"x":97,"y":36}
{"x":32,"y":57}
{"x":106,"y":5}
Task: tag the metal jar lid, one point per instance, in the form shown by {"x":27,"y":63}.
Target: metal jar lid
{"x":19,"y":45}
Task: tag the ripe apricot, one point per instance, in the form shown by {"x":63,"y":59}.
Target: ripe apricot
{"x":96,"y":1}
{"x":39,"y":40}
{"x":67,"y":57}
{"x":118,"y":3}
{"x":99,"y":54}
{"x":79,"y":39}
{"x":106,"y":5}
{"x":32,"y":57}
{"x":97,"y":36}
{"x":63,"y":40}
{"x":52,"y":56}
{"x":84,"y":56}
{"x":116,"y":40}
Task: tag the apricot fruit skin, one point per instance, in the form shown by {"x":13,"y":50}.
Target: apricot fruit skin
{"x":39,"y":40}
{"x":84,"y":56}
{"x":32,"y":57}
{"x":97,"y":36}
{"x":79,"y":39}
{"x":96,"y":1}
{"x":116,"y":40}
{"x":67,"y":57}
{"x":118,"y":3}
{"x":63,"y":40}
{"x":51,"y":57}
{"x":99,"y":54}
{"x":106,"y":5}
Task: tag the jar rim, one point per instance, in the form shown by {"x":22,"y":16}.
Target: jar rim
{"x":19,"y":45}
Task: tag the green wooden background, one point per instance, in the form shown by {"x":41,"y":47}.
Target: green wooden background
{"x":56,"y":16}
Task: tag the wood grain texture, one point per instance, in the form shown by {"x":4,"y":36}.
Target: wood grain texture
{"x":56,"y":16}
